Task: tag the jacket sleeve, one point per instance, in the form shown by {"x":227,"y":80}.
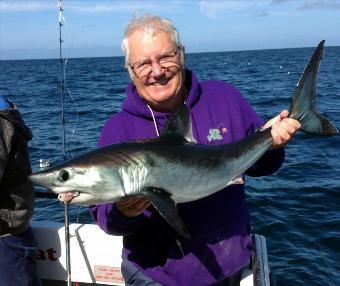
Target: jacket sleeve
{"x":3,"y":150}
{"x":269,"y":163}
{"x":111,"y":221}
{"x":107,"y":216}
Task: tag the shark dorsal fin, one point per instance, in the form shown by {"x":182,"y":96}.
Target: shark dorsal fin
{"x":178,"y":129}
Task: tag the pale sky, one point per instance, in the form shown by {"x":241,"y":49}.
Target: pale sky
{"x":30,"y":28}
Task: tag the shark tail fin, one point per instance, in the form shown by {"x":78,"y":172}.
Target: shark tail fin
{"x":303,"y":104}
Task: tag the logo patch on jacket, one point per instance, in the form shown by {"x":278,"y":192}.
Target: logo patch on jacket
{"x":216,"y":133}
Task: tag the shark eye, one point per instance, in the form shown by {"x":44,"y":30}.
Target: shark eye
{"x":64,"y":175}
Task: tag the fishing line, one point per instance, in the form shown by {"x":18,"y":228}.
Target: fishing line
{"x":78,"y":214}
{"x":63,"y":21}
{"x":77,"y":113}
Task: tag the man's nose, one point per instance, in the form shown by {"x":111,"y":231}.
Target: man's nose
{"x":157,"y":69}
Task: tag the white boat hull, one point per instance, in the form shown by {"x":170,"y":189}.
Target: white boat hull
{"x":96,"y":256}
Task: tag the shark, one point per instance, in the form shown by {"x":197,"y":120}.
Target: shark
{"x":174,"y":168}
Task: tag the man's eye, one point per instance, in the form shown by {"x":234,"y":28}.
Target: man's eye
{"x":165,"y":59}
{"x":142,"y":65}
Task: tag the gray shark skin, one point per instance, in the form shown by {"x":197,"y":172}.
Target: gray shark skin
{"x":303,"y":103}
{"x":174,"y":168}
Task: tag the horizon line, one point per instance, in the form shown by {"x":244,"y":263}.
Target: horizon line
{"x":122,"y":56}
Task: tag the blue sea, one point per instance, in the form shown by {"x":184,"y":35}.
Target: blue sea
{"x":296,"y":209}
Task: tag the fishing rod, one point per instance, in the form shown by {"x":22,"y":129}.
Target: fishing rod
{"x":62,"y":77}
{"x":62,"y":99}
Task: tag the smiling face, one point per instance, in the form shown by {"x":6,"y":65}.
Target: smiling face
{"x":163,"y":87}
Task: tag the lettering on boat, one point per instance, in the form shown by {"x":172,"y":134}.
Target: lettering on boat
{"x":48,"y":254}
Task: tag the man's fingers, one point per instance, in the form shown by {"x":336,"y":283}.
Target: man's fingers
{"x":290,"y":126}
{"x":278,"y":118}
{"x":140,"y":207}
{"x":283,"y":132}
{"x":140,"y":204}
{"x":277,"y":140}
{"x":132,"y":207}
{"x":130,"y":201}
{"x":284,"y":114}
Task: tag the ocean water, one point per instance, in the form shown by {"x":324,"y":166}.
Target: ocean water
{"x":297,"y":208}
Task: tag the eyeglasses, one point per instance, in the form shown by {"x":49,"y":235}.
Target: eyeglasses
{"x":144,"y":67}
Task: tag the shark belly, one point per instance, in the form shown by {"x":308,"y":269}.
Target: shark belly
{"x":187,"y":183}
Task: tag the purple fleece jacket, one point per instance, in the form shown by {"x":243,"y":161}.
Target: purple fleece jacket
{"x":219,"y":224}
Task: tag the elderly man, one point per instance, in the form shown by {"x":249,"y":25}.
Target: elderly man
{"x":219,"y":224}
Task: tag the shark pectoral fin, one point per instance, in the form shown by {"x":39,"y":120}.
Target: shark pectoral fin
{"x":166,"y":207}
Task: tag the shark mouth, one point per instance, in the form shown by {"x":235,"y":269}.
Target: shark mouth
{"x":67,"y":197}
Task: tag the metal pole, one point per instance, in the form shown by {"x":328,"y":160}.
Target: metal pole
{"x":67,"y":245}
{"x":62,"y":79}
{"x":62,"y":98}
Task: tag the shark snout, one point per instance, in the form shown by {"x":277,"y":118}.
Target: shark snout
{"x":41,"y":179}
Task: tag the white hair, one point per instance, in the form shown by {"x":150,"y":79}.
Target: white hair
{"x":151,"y":25}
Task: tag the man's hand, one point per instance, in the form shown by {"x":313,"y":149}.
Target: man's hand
{"x":283,"y":129}
{"x":132,"y":207}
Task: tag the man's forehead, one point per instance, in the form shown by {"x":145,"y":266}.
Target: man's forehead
{"x":144,"y":44}
{"x":149,"y":36}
